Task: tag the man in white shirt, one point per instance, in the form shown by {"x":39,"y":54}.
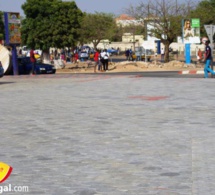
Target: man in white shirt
{"x":162,"y":54}
{"x":105,"y":59}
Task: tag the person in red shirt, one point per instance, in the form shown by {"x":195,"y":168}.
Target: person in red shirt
{"x":76,"y":57}
{"x":97,"y":61}
{"x":33,"y":61}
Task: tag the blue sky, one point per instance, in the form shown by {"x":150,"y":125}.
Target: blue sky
{"x":116,"y":7}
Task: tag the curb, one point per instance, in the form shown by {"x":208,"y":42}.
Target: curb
{"x":191,"y":72}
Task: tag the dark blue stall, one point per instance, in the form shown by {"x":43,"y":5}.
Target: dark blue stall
{"x":158,"y":42}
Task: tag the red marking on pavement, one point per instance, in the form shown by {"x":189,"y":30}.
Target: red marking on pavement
{"x":192,"y":71}
{"x":137,"y":76}
{"x":93,"y":79}
{"x":149,"y":98}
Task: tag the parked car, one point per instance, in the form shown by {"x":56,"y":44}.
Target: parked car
{"x":112,"y":51}
{"x":25,"y":67}
{"x":1,"y":70}
{"x":141,"y":58}
{"x":83,"y":55}
{"x":85,"y":48}
{"x":141,"y":53}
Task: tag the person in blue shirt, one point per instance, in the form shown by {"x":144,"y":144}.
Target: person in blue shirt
{"x":207,"y":59}
{"x":127,"y":54}
{"x":130,"y":54}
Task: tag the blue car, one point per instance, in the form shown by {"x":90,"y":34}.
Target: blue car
{"x":25,"y":67}
{"x":1,"y":70}
{"x":112,"y":51}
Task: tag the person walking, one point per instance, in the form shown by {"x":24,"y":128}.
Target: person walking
{"x":33,"y":61}
{"x":130,"y":55}
{"x":97,"y":62}
{"x":105,"y":56}
{"x":199,"y":55}
{"x":127,"y":54}
{"x":207,"y":60}
{"x":76,"y":57}
{"x":162,"y":54}
{"x":52,"y":57}
{"x":55,"y":54}
{"x":63,"y":57}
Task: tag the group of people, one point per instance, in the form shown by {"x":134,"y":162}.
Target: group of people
{"x":64,"y":55}
{"x":128,"y":54}
{"x":101,"y":59}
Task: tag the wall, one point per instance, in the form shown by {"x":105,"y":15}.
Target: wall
{"x":127,"y":45}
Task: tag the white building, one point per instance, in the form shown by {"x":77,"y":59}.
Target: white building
{"x":125,"y":20}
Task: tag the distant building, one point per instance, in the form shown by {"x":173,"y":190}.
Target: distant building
{"x":125,"y":20}
{"x":129,"y":37}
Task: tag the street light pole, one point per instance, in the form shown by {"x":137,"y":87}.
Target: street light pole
{"x":133,"y":41}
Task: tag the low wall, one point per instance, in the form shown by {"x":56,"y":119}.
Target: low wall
{"x":123,"y":46}
{"x":128,"y":45}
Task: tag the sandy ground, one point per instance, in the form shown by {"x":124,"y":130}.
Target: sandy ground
{"x":130,"y":66}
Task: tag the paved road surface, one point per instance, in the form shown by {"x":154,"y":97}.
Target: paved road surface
{"x":108,"y":135}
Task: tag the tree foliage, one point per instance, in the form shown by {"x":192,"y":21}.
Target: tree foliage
{"x":1,"y":26}
{"x":97,"y":26}
{"x":205,"y":10}
{"x":165,"y":16}
{"x":50,"y":23}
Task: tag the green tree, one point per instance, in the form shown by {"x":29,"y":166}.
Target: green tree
{"x":97,"y":26}
{"x":50,"y":23}
{"x":205,"y":11}
{"x":117,"y":37}
{"x":1,"y":26}
{"x":132,"y":28}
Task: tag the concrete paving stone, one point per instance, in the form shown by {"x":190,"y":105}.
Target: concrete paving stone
{"x":98,"y":135}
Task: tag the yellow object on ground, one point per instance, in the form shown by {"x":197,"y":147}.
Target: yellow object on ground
{"x":5,"y":171}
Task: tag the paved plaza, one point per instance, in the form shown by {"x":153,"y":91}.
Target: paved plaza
{"x":70,"y":134}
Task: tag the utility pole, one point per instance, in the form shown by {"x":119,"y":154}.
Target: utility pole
{"x":134,"y":37}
